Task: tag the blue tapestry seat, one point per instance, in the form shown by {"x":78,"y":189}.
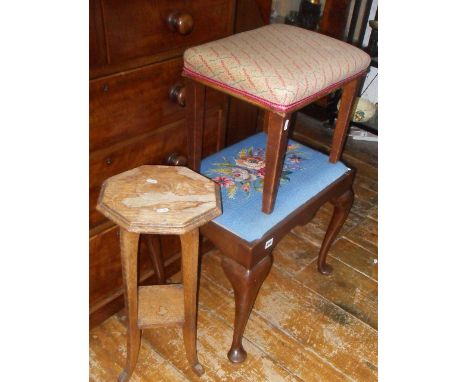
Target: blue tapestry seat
{"x":239,"y":170}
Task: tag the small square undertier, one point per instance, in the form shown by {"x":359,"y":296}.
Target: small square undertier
{"x":160,"y":305}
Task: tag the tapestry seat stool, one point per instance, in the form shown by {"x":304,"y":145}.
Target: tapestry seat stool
{"x":160,"y":200}
{"x":269,"y":184}
{"x":280,"y":68}
{"x":246,"y":236}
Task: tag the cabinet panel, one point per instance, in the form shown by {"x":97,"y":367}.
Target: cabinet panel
{"x":139,"y":28}
{"x":97,"y":47}
{"x":125,"y":105}
{"x":128,"y":104}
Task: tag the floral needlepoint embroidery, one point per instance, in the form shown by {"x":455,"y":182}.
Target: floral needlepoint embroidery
{"x":247,"y":170}
{"x":223,"y":181}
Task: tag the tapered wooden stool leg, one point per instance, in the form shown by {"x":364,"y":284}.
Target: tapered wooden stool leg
{"x":344,"y":116}
{"x":277,"y":140}
{"x":246,"y":284}
{"x":340,"y":213}
{"x":129,"y":254}
{"x":189,"y":242}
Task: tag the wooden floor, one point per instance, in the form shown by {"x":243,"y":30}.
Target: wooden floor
{"x":304,"y":326}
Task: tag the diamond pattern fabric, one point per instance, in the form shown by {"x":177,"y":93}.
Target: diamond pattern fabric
{"x":278,"y":65}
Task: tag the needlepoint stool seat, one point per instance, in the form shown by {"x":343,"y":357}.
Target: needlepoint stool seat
{"x":246,"y":236}
{"x":239,"y":170}
{"x":280,"y":68}
{"x":160,"y":200}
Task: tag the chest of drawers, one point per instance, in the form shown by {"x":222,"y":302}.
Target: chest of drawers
{"x":136,"y":114}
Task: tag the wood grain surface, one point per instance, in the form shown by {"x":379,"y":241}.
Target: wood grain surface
{"x":159,"y":199}
{"x":303,"y":327}
{"x":160,"y":305}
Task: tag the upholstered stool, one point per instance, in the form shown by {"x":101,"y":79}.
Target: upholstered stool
{"x":246,"y":236}
{"x":160,"y":200}
{"x":280,"y":68}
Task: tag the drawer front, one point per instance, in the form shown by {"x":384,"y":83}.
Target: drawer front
{"x":139,"y":28}
{"x":125,"y":105}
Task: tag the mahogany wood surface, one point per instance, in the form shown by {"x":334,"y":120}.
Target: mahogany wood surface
{"x":344,"y":116}
{"x":132,"y":103}
{"x":246,"y":284}
{"x":195,"y":121}
{"x":243,"y":267}
{"x":138,"y":32}
{"x":135,"y":61}
{"x":277,"y":129}
{"x":342,"y":206}
{"x":97,"y":44}
{"x":334,"y":18}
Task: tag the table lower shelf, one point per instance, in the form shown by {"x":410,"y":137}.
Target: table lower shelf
{"x":160,"y":305}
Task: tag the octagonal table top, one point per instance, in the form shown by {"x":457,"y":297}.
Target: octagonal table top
{"x":159,"y":199}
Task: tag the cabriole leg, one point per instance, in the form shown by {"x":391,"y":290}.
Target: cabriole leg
{"x":246,"y":284}
{"x":340,"y":213}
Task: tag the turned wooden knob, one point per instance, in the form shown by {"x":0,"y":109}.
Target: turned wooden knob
{"x":177,"y":94}
{"x":176,"y":159}
{"x":180,"y":22}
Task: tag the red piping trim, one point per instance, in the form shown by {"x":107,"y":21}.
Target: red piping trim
{"x":273,"y":105}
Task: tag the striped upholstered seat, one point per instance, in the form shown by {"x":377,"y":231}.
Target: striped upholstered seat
{"x":279,"y":66}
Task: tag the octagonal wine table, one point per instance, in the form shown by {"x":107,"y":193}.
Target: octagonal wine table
{"x":160,"y":200}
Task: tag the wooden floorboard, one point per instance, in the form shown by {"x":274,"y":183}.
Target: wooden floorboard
{"x":304,"y":326}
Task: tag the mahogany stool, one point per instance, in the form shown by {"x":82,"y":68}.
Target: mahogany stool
{"x":160,"y":200}
{"x":280,"y":68}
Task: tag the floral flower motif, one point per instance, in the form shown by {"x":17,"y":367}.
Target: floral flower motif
{"x":239,"y":174}
{"x":253,"y":177}
{"x":251,"y":162}
{"x":223,"y":181}
{"x":246,"y":171}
